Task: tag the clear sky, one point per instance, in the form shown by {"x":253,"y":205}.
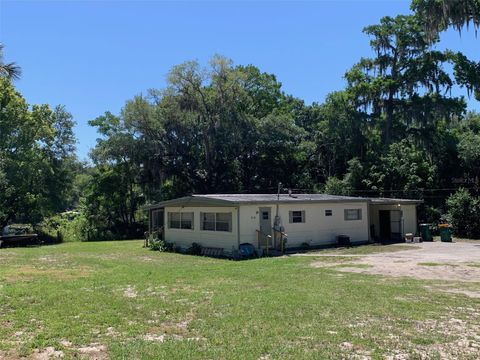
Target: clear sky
{"x":91,"y":56}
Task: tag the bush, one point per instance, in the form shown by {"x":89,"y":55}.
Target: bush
{"x":157,"y":244}
{"x":195,"y":249}
{"x":305,"y":246}
{"x":68,"y":226}
{"x":463,"y":214}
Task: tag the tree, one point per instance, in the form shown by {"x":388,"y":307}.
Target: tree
{"x":335,"y":186}
{"x":438,"y":15}
{"x":338,"y":135}
{"x":402,"y":88}
{"x":404,"y":171}
{"x":8,"y":70}
{"x":469,"y":153}
{"x":36,"y":158}
{"x":463,"y":214}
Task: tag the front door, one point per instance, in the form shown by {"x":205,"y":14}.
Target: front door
{"x":385,"y":225}
{"x":396,"y":225}
{"x":265,"y":226}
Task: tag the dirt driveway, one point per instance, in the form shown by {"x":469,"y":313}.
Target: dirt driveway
{"x":430,"y":260}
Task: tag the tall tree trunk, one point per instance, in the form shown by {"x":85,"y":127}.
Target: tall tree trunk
{"x":389,"y":120}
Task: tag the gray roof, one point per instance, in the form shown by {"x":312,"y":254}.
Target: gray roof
{"x":236,"y":199}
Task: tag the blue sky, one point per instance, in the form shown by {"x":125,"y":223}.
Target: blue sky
{"x":91,"y":56}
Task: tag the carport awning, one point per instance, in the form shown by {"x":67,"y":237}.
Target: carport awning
{"x":391,"y":201}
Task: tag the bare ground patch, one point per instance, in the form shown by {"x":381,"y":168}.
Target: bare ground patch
{"x":432,"y":261}
{"x":470,"y":292}
{"x":94,"y":351}
{"x":48,"y":353}
{"x":455,"y":335}
{"x":29,"y":273}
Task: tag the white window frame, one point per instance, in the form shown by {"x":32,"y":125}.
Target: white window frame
{"x":216,"y":222}
{"x":181,"y":213}
{"x":291,"y":216}
{"x":352,"y":214}
{"x":328,"y":212}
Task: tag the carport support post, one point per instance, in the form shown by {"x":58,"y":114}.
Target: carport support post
{"x":238,"y":227}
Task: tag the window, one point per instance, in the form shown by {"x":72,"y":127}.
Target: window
{"x":297,"y":216}
{"x":328,"y":213}
{"x":265,"y":215}
{"x":223,"y":222}
{"x":157,"y":219}
{"x":216,"y":221}
{"x":186,"y":221}
{"x":180,"y":220}
{"x":353,"y":214}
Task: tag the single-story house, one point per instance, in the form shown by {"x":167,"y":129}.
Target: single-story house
{"x":271,"y":221}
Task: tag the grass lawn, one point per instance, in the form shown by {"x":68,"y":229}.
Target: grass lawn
{"x":117,"y":300}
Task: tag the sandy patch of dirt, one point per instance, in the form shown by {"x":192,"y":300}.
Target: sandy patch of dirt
{"x":465,"y":346}
{"x":165,"y":337}
{"x":130,"y":292}
{"x":458,"y":337}
{"x":94,"y":351}
{"x":154,"y":337}
{"x":9,"y":355}
{"x":171,"y":330}
{"x":47,"y":353}
{"x":29,"y":273}
{"x":453,"y":290}
{"x":451,"y":262}
{"x":396,"y":269}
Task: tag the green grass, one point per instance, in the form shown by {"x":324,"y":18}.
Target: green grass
{"x":367,"y":249}
{"x":127,"y":298}
{"x":436,"y":264}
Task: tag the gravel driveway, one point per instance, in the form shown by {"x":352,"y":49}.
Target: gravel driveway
{"x":429,"y":260}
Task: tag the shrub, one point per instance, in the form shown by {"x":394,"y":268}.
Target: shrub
{"x":195,"y":249}
{"x":157,"y":244}
{"x":68,"y":226}
{"x":463,"y":214}
{"x":305,"y":246}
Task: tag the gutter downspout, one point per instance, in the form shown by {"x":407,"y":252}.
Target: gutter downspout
{"x":369,"y":214}
{"x":238,"y":227}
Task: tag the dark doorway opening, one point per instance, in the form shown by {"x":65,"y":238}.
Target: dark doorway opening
{"x":385,"y":225}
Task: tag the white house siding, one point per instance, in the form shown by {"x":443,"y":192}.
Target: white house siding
{"x":217,"y":239}
{"x":409,"y":217}
{"x":318,"y":229}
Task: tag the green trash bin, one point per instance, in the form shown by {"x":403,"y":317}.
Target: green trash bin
{"x":445,"y":234}
{"x":425,"y":232}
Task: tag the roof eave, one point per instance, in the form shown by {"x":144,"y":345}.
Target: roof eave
{"x":190,"y":200}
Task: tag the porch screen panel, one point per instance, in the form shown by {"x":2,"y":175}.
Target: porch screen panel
{"x":223,"y":222}
{"x":208,"y":221}
{"x":186,"y":221}
{"x":174,"y":220}
{"x":157,"y":219}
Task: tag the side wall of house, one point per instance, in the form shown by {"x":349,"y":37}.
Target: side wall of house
{"x":409,"y":217}
{"x":218,"y":239}
{"x":318,"y":229}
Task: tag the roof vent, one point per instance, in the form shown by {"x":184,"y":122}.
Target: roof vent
{"x":290,"y":194}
